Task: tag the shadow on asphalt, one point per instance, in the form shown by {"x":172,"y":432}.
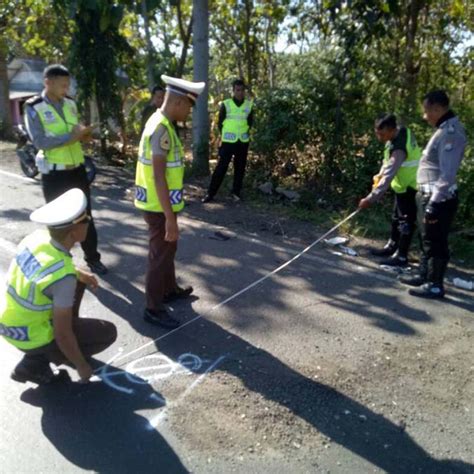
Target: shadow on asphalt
{"x":339,"y":417}
{"x":96,"y":428}
{"x":344,"y":420}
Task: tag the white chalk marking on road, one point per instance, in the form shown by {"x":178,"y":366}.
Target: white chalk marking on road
{"x":8,"y":246}
{"x":154,"y":422}
{"x":18,"y":176}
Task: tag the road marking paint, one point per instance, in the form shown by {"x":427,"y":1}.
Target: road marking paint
{"x":18,"y":176}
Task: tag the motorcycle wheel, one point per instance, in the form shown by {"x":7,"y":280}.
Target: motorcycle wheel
{"x":27,"y":164}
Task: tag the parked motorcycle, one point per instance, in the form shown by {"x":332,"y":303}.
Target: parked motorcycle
{"x":27,"y":152}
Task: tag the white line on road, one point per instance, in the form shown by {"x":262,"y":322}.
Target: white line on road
{"x":17,"y":176}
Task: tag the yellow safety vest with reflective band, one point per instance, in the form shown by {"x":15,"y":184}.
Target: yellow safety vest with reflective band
{"x":27,"y":313}
{"x":235,"y":126}
{"x":146,"y":197}
{"x":54,"y":125}
{"x":406,"y":175}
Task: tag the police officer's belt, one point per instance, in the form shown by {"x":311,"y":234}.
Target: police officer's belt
{"x":429,"y":188}
{"x":60,"y":167}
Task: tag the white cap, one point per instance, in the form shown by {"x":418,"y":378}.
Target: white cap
{"x":65,"y":210}
{"x":189,"y":89}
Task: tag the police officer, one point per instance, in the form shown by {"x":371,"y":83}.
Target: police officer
{"x":159,"y":194}
{"x":398,"y":171}
{"x":157,"y":98}
{"x":235,"y":120}
{"x":53,"y":124}
{"x":437,"y":196}
{"x":39,"y":314}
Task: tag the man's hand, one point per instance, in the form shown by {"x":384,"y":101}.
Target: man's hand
{"x":364,"y":203}
{"x":171,"y":229}
{"x":85,"y":372}
{"x":431,"y":213}
{"x":88,"y":279}
{"x":81,"y":133}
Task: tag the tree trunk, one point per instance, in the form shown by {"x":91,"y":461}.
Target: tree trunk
{"x":411,"y":67}
{"x":185,"y":38}
{"x":201,"y":73}
{"x":5,"y":112}
{"x":149,"y":47}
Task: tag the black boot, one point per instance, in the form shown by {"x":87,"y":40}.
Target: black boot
{"x":433,"y":288}
{"x":36,"y":369}
{"x":418,"y":278}
{"x":388,"y":250}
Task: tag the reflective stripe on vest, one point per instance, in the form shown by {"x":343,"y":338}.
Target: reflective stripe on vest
{"x":146,"y":196}
{"x":406,"y":175}
{"x":235,"y":126}
{"x":37,"y":265}
{"x":54,"y":126}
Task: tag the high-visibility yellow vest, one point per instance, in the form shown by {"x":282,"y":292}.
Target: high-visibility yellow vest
{"x":146,"y":197}
{"x":26,"y":313}
{"x":406,"y":175}
{"x":55,"y":125}
{"x":235,"y":126}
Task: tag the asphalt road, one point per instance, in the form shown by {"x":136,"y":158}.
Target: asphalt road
{"x":328,"y":366}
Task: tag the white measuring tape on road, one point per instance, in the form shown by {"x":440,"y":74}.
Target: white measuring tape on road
{"x":235,"y":295}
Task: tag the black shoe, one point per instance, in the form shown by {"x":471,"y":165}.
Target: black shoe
{"x":97,"y":267}
{"x":42,"y":377}
{"x":429,"y":291}
{"x":395,"y":261}
{"x":178,"y":294}
{"x":389,"y":249}
{"x":412,"y":280}
{"x":207,"y":198}
{"x":160,"y":318}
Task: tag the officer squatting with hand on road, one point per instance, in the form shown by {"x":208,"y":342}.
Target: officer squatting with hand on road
{"x":39,"y":313}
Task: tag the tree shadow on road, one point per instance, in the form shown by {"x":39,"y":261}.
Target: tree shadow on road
{"x":96,"y":428}
{"x":344,"y":420}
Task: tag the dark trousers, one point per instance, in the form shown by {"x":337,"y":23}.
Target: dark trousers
{"x":160,"y":276}
{"x":56,"y":183}
{"x":93,"y":336}
{"x":227,"y":151}
{"x":404,"y":215}
{"x":434,"y":237}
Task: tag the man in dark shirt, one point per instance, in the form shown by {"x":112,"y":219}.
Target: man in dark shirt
{"x":235,"y":120}
{"x":437,"y":196}
{"x":156,"y":101}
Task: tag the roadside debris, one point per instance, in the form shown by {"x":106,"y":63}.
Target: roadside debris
{"x":219,"y":236}
{"x":336,"y":241}
{"x":464,"y":284}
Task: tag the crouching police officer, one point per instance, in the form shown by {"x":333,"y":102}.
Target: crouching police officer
{"x":159,"y":194}
{"x":398,"y":171}
{"x":437,"y":196}
{"x":39,"y":314}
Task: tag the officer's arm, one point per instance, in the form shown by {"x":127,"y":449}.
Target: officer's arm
{"x":250,"y":119}
{"x":162,"y":190}
{"x":38,"y":135}
{"x":387,"y":173}
{"x":67,"y":342}
{"x":222,"y":116}
{"x":450,"y":151}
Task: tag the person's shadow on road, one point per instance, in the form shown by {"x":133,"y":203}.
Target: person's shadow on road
{"x":96,"y":428}
{"x":344,"y":420}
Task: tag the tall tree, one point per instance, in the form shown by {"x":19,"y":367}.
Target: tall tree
{"x":201,"y":73}
{"x":97,"y":56}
